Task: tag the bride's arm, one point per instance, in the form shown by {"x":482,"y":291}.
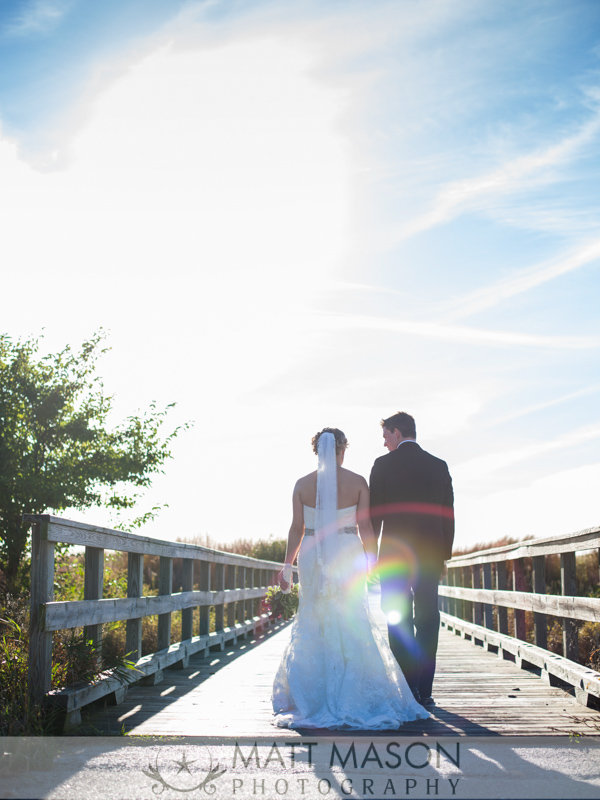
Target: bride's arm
{"x":365,"y":527}
{"x":295,"y":535}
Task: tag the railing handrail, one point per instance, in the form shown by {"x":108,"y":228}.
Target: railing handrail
{"x":234,"y":585}
{"x":66,"y":531}
{"x":479,"y":588}
{"x":587,"y":539}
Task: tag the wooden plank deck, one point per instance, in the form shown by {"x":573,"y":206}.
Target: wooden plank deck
{"x":228,"y":694}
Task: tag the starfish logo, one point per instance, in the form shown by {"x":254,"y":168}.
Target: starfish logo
{"x":184,"y":765}
{"x":183,"y":774}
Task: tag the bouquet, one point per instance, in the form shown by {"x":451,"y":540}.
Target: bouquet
{"x":277,"y":604}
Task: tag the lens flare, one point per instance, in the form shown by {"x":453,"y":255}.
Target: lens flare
{"x":396,"y":567}
{"x":393,"y":617}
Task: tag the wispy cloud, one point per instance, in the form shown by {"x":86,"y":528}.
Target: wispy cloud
{"x":516,"y":175}
{"x":492,"y":295}
{"x":37,"y":18}
{"x":480,"y":467}
{"x":360,"y":288}
{"x":452,"y":333}
{"x":523,"y":412}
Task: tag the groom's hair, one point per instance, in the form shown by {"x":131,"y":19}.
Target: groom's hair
{"x":403,"y":422}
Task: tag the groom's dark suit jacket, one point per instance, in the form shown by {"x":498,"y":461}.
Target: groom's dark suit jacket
{"x":411,"y":493}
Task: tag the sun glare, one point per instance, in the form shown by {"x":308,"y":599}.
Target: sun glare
{"x":393,"y":617}
{"x":209,"y":188}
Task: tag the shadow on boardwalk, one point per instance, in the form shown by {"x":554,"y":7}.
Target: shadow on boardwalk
{"x":477,"y":694}
{"x":192,"y":700}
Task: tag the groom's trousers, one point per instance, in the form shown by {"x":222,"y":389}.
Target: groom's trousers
{"x":411,"y":606}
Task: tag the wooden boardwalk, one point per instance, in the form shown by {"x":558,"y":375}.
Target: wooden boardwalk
{"x":227,"y":694}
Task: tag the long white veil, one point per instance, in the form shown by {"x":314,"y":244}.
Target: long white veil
{"x":326,"y":521}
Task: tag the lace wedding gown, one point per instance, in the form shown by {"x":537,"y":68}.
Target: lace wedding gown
{"x":338,"y":670}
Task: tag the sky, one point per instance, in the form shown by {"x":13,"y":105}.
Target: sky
{"x":292,"y":215}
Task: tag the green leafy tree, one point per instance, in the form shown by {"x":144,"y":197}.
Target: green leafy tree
{"x":56,"y":448}
{"x":270,"y":549}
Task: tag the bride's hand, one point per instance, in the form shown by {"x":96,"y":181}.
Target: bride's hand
{"x":282,"y":581}
{"x":371,"y":563}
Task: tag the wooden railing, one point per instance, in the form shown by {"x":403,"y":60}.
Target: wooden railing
{"x":240,"y":584}
{"x":479,"y":589}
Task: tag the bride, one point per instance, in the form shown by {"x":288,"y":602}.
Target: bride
{"x":337,"y":670}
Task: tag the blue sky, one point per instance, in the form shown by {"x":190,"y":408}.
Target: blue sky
{"x":292,"y":215}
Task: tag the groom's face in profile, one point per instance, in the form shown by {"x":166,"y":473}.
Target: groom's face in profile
{"x":391,"y":439}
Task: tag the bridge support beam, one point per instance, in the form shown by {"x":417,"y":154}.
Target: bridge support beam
{"x":586,"y":699}
{"x":153,"y":679}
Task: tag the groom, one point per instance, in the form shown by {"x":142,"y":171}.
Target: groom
{"x":411,"y":496}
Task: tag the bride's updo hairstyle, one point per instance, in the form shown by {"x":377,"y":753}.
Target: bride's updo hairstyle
{"x":341,"y":443}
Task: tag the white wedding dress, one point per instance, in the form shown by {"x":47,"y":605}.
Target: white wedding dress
{"x":338,"y":670}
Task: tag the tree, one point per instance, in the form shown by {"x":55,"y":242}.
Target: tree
{"x":56,"y":449}
{"x":270,"y":549}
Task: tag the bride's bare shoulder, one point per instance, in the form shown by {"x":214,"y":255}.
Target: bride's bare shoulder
{"x":305,"y":490}
{"x":353,"y":478}
{"x":306,"y":481}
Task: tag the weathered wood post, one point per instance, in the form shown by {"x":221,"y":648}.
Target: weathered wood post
{"x":540,"y":621}
{"x":241,"y":605}
{"x":488,"y":611}
{"x":257,"y":585}
{"x":258,"y":582}
{"x":135,"y":588}
{"x":93,"y":588}
{"x":249,"y":585}
{"x":204,"y":587}
{"x":519,"y":585}
{"x":163,"y":639}
{"x":568,"y":583}
{"x":476,"y":581}
{"x":42,"y":591}
{"x":219,"y":587}
{"x":230,"y":580}
{"x":467,"y":605}
{"x":502,"y":585}
{"x":187,"y":585}
{"x":452,"y":582}
{"x":165,"y":587}
{"x":443,"y":601}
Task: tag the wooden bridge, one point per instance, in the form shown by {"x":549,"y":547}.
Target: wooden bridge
{"x":489,"y":682}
